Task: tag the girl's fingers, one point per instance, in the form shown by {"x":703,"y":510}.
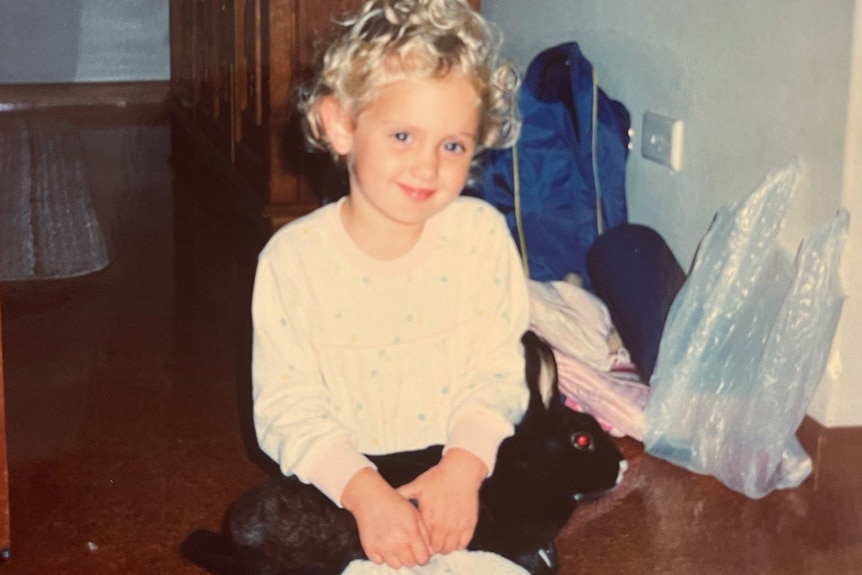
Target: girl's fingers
{"x":408,"y":491}
{"x":464,"y":540}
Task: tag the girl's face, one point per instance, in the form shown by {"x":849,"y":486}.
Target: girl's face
{"x":409,"y":151}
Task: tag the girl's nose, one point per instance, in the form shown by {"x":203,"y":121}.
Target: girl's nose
{"x":425,"y":163}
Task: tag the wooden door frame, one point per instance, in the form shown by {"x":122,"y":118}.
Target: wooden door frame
{"x":5,"y":534}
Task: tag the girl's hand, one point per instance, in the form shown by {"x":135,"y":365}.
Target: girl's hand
{"x":390,"y":528}
{"x":448,"y":496}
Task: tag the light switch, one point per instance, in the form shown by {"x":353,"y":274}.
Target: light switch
{"x":661,"y":140}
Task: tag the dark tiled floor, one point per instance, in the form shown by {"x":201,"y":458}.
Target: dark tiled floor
{"x":126,"y":402}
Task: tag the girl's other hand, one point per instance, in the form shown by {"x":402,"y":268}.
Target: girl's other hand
{"x":448,"y":496}
{"x":390,"y":527}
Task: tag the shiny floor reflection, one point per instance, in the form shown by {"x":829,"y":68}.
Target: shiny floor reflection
{"x":127,"y":407}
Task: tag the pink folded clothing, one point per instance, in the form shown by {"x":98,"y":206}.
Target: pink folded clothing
{"x":616,"y":398}
{"x":595,"y":377}
{"x":571,"y":320}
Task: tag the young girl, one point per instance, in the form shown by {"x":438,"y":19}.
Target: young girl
{"x":391,"y":320}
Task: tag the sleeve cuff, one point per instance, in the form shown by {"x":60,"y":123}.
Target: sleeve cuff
{"x":331,"y":465}
{"x":480,"y":433}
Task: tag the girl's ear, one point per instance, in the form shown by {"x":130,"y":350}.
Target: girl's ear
{"x":337,"y":125}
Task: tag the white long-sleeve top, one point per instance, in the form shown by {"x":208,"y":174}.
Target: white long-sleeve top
{"x":353,"y":355}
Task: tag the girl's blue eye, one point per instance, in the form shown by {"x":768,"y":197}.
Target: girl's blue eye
{"x":453,"y":147}
{"x":401,"y":136}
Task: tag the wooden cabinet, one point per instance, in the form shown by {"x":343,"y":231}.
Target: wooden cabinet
{"x":234,"y":65}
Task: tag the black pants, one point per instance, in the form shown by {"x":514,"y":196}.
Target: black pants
{"x":405,"y":466}
{"x":634,"y":272}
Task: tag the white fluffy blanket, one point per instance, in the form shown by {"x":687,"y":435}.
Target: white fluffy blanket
{"x":455,"y":563}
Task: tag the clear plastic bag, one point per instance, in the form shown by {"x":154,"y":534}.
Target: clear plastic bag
{"x":745,"y":345}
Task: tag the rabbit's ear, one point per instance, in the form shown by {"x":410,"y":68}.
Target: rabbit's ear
{"x":541,"y":370}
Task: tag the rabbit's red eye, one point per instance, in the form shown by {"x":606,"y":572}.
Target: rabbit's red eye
{"x":583,"y":441}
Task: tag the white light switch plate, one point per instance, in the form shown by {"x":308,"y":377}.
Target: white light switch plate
{"x":661,"y":140}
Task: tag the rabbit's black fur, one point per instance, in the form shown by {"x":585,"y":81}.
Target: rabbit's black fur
{"x":556,"y":456}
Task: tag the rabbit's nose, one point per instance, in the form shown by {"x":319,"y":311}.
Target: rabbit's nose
{"x":624,"y":466}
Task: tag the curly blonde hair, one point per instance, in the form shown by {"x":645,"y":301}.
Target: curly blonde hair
{"x":390,"y":40}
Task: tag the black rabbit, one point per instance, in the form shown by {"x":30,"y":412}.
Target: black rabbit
{"x":555,"y":458}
